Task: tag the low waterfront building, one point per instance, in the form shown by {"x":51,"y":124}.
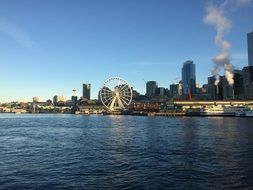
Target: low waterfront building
{"x":59,"y":100}
{"x":74,"y":99}
{"x":91,"y":109}
{"x":160,"y":91}
{"x":36,"y":99}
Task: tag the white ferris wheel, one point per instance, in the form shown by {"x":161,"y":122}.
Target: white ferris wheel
{"x":116,"y":94}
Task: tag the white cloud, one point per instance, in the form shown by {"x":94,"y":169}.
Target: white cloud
{"x":17,"y":34}
{"x":233,"y":5}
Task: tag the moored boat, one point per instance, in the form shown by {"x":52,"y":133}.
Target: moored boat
{"x":249,"y":113}
{"x":223,"y":110}
{"x":245,"y":113}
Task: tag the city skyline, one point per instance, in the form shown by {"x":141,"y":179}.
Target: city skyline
{"x":50,"y":48}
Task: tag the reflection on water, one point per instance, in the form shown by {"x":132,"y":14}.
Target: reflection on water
{"x":125,"y":152}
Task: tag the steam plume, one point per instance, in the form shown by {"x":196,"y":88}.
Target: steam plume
{"x":216,"y":17}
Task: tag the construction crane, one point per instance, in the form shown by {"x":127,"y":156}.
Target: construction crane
{"x":189,"y":96}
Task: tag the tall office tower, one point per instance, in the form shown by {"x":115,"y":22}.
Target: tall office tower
{"x":248,"y":82}
{"x":99,"y":98}
{"x":227,"y":90}
{"x":189,"y":78}
{"x":176,"y":90}
{"x":238,"y":84}
{"x":214,"y":92}
{"x":250,"y":48}
{"x":151,"y":87}
{"x":86,"y":91}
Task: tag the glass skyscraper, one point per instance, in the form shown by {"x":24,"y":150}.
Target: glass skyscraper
{"x":188,"y":78}
{"x":250,"y":48}
{"x":86,"y":91}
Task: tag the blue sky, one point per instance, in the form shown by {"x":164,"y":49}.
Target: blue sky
{"x":49,"y":47}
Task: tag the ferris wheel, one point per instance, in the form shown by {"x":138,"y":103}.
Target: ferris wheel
{"x":116,"y":94}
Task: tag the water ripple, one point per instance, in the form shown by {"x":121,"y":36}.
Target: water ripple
{"x":54,"y":151}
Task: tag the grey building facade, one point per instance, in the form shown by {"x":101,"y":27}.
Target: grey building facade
{"x":238,"y":85}
{"x":151,"y":87}
{"x":227,"y":90}
{"x":86,"y":91}
{"x":250,"y":48}
{"x":213,"y":90}
{"x":248,"y":82}
{"x":176,"y":90}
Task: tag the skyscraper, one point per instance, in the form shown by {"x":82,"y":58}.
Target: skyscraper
{"x":176,"y":90}
{"x":248,"y":82}
{"x":151,"y":87}
{"x":86,"y":91}
{"x":250,"y":48}
{"x":188,"y":78}
{"x":227,"y":90}
{"x":211,"y":90}
{"x":238,"y":84}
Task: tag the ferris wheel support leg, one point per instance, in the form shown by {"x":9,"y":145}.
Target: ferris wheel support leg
{"x":120,"y":103}
{"x":113,"y":102}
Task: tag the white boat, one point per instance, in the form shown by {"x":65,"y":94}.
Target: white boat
{"x":249,"y":113}
{"x":223,"y":110}
{"x":245,"y":113}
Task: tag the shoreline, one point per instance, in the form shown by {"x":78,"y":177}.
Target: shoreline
{"x":142,"y":114}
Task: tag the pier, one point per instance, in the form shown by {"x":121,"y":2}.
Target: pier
{"x":198,"y":103}
{"x":171,"y":114}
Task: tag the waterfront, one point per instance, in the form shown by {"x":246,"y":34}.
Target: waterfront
{"x":58,"y":151}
